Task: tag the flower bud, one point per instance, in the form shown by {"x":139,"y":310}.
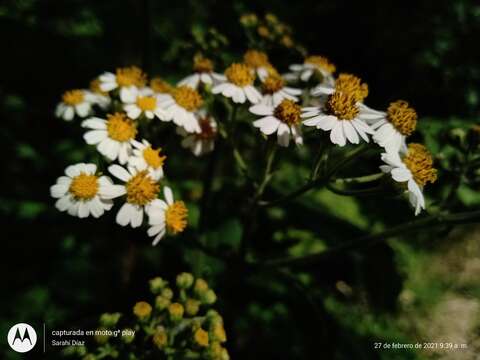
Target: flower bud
{"x":157,"y":284}
{"x":249,"y":20}
{"x":161,"y":303}
{"x":109,"y":319}
{"x":176,"y":311}
{"x":167,"y":293}
{"x":201,"y":337}
{"x":160,"y":338}
{"x":184,"y":280}
{"x":192,"y":306}
{"x":101,"y":337}
{"x":142,"y":310}
{"x":209,"y":297}
{"x":201,"y":287}
{"x":218,"y":332}
{"x":127,"y":339}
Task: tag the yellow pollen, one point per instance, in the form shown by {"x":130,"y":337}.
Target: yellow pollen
{"x":132,"y":75}
{"x":207,"y":130}
{"x":84,"y":186}
{"x":141,"y":189}
{"x":342,"y":106}
{"x":240,"y":74}
{"x":187,"y":98}
{"x":201,"y":64}
{"x":146,"y":103}
{"x":273,"y":83}
{"x":120,"y":128}
{"x":321,"y":62}
{"x":255,"y":58}
{"x":73,"y":97}
{"x":403,"y":117}
{"x":95,"y":87}
{"x":420,"y":162}
{"x":288,"y":112}
{"x":351,"y":84}
{"x":152,"y":157}
{"x":160,"y":86}
{"x":176,"y":217}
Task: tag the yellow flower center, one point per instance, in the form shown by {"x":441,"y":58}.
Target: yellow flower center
{"x":321,"y":62}
{"x":73,"y":97}
{"x":84,"y":186}
{"x":219,"y":332}
{"x":147,"y":103}
{"x":288,"y":112}
{"x":152,"y":157}
{"x":273,"y":83}
{"x":201,"y":337}
{"x":120,"y":128}
{"x":141,"y":189}
{"x":176,"y":217}
{"x":160,"y":338}
{"x":403,"y":117}
{"x":342,"y":105}
{"x":420,"y":162}
{"x":255,"y":58}
{"x":187,"y":98}
{"x":132,"y":75}
{"x":240,"y":74}
{"x":263,"y":31}
{"x":201,"y":64}
{"x":176,"y":310}
{"x":95,"y":87}
{"x":351,"y":84}
{"x":160,"y":86}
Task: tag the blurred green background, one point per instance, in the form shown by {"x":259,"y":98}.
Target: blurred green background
{"x":65,"y":271}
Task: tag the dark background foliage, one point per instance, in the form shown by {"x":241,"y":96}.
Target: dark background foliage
{"x":63,"y":271}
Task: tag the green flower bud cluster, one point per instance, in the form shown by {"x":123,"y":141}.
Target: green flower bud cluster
{"x":177,"y":322}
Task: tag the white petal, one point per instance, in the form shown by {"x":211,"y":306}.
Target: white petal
{"x":119,"y":172}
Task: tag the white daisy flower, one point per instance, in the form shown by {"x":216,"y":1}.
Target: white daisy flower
{"x":113,"y":136}
{"x":166,"y":216}
{"x":99,"y":97}
{"x":74,"y":102}
{"x":413,"y":168}
{"x":239,"y":85}
{"x":274,"y":90}
{"x":140,"y":189}
{"x":284,"y":119}
{"x":147,"y":158}
{"x":204,"y":141}
{"x":181,"y":107}
{"x":203,"y":73}
{"x":126,"y":79}
{"x":82,"y":192}
{"x":313,"y":65}
{"x":342,"y":116}
{"x":393,"y":127}
{"x":142,"y":102}
{"x":258,"y":61}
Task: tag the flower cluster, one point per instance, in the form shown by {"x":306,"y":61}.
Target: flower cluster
{"x":178,"y":323}
{"x":119,"y":106}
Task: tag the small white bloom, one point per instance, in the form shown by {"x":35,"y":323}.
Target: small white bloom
{"x":113,"y":136}
{"x":166,"y":216}
{"x":238,"y":85}
{"x":393,"y":127}
{"x":140,"y":189}
{"x":284,"y":119}
{"x":342,"y":116}
{"x":203,"y":73}
{"x":74,"y":102}
{"x":81,"y":192}
{"x":147,"y":158}
{"x":127,"y":80}
{"x":142,"y":102}
{"x":204,"y":141}
{"x":413,"y":167}
{"x":274,"y":90}
{"x":312,"y":65}
{"x":181,"y":107}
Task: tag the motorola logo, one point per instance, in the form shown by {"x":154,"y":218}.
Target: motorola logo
{"x":22,"y":337}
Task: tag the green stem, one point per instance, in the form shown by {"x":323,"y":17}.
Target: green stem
{"x":360,"y":179}
{"x":321,"y":181}
{"x":369,"y":240}
{"x":359,"y":192}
